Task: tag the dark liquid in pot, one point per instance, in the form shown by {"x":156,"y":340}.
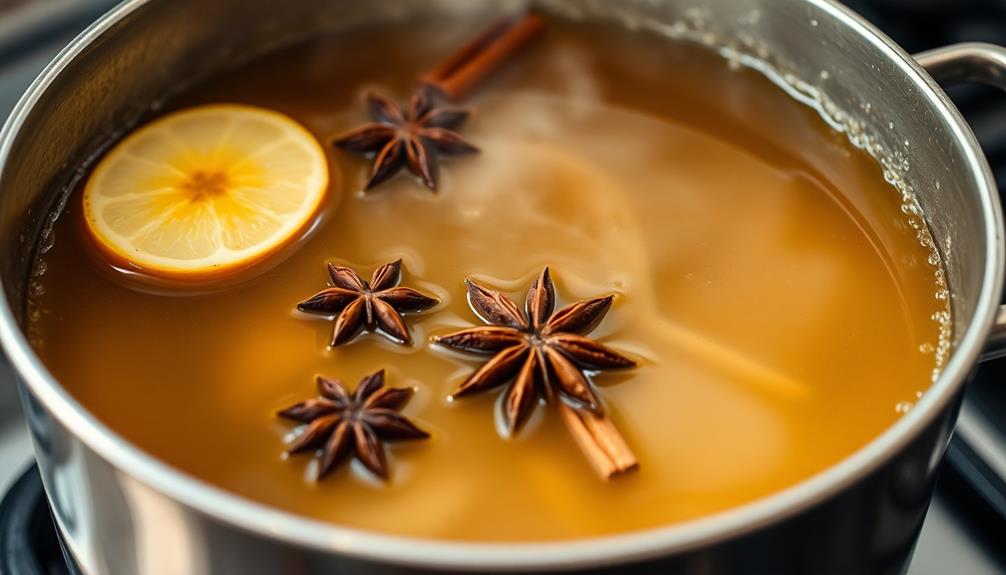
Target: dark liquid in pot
{"x":766,"y":277}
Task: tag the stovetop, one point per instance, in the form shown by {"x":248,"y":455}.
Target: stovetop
{"x":965,"y":530}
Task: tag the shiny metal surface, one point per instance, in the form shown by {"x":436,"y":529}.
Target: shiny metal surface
{"x":31,"y":34}
{"x":124,"y":512}
{"x":984,"y":64}
{"x":996,"y":345}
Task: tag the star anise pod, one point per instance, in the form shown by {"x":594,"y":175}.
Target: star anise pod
{"x":544,"y":355}
{"x":378,"y":304}
{"x":340,"y":424}
{"x":412,"y":138}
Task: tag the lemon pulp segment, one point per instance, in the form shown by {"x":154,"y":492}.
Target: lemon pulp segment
{"x":207,"y":189}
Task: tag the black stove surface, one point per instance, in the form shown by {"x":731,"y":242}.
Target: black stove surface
{"x":965,"y":530}
{"x":29,"y":543}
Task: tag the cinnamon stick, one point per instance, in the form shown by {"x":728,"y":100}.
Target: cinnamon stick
{"x":600,"y":442}
{"x":463,"y":70}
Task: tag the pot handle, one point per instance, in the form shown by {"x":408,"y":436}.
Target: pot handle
{"x":982,"y":64}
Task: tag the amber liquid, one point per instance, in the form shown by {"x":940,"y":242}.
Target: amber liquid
{"x":766,"y":279}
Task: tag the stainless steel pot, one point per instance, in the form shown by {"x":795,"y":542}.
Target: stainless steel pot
{"x":121,"y":511}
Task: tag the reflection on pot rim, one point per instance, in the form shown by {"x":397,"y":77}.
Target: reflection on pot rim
{"x":274,"y":524}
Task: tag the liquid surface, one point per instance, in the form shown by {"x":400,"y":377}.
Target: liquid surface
{"x":765,"y":279}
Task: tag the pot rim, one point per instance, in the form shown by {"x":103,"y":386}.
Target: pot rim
{"x":270,"y":522}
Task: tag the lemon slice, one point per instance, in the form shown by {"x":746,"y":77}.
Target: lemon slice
{"x":206,"y":190}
